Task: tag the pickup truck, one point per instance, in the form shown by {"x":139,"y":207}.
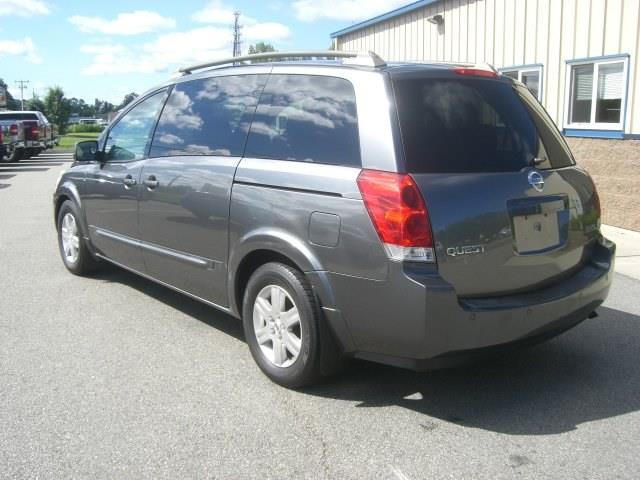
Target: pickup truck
{"x":4,"y":141}
{"x":39,"y":134}
{"x":12,"y":143}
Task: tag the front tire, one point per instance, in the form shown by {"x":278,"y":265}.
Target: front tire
{"x":73,"y":248}
{"x":280,"y":315}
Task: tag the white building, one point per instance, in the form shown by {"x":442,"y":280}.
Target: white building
{"x":578,"y":56}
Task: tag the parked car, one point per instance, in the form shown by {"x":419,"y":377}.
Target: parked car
{"x":37,"y":130}
{"x":13,"y":140}
{"x":4,"y":141}
{"x":410,"y":214}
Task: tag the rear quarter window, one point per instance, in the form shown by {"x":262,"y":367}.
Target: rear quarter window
{"x":308,"y":119}
{"x":452,"y":125}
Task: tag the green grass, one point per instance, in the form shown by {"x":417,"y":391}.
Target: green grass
{"x":68,"y":142}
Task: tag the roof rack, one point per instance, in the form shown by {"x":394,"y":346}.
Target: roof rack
{"x":368,"y":59}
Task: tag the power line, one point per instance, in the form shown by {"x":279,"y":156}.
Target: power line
{"x":22,"y":85}
{"x":237,"y":42}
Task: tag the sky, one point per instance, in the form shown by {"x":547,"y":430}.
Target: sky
{"x":96,"y":49}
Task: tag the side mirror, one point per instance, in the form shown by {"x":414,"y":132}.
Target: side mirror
{"x":87,"y":152}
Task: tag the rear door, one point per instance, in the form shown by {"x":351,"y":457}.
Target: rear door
{"x":184,"y":202}
{"x":509,"y":209}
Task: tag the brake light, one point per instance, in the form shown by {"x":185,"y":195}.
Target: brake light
{"x":13,"y":129}
{"x":399,"y":215}
{"x":476,"y":72}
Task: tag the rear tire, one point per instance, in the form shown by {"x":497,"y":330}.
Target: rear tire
{"x":74,"y":251}
{"x":281,"y":316}
{"x":14,"y":157}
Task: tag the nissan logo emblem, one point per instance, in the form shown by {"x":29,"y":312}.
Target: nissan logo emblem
{"x":536,"y":181}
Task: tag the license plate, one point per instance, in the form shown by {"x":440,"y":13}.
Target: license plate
{"x":539,"y":224}
{"x":536,"y":232}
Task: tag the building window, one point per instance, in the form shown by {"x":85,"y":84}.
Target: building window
{"x":596,"y":93}
{"x":531,"y":76}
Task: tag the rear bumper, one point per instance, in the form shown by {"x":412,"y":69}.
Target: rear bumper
{"x":416,"y":320}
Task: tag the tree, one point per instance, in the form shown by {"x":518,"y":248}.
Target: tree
{"x":80,"y":107}
{"x":102,"y":106}
{"x":128,"y":98}
{"x":261,"y":47}
{"x":12,"y":103}
{"x":57,"y":107}
{"x":35,"y":103}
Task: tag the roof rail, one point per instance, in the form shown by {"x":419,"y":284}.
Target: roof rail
{"x":368,"y":59}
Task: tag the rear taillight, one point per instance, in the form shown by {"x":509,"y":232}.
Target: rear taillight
{"x":399,"y":215}
{"x":13,"y":129}
{"x":476,"y":72}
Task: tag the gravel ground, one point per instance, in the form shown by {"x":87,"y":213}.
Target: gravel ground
{"x":116,"y":377}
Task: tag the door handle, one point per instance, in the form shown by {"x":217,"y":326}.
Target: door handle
{"x":129,"y":181}
{"x":151,"y":182}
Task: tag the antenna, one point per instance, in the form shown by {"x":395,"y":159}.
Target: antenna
{"x":237,"y":43}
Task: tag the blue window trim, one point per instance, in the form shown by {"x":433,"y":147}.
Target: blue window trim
{"x":385,"y":16}
{"x":593,"y":133}
{"x":521,"y":67}
{"x":598,"y":59}
{"x":576,"y":132}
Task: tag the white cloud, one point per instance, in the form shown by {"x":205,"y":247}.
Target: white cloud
{"x":218,"y":13}
{"x":23,"y":8}
{"x":164,"y":54}
{"x":345,"y":10}
{"x":268,"y":31}
{"x":172,"y":50}
{"x":24,"y":48}
{"x":129,"y":23}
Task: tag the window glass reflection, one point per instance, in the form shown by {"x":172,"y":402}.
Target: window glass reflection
{"x":129,"y":138}
{"x":208,"y":116}
{"x":306,"y":118}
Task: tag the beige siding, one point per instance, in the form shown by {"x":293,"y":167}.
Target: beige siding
{"x":509,"y":33}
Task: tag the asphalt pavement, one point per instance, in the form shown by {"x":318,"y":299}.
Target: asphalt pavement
{"x":116,"y":377}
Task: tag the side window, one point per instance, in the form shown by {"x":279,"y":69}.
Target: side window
{"x":308,"y":119}
{"x":209,"y":116}
{"x":129,"y":138}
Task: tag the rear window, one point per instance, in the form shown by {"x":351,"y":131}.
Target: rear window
{"x":18,"y":116}
{"x":474,"y":125}
{"x":308,"y":119}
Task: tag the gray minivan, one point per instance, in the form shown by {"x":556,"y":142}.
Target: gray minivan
{"x":409,"y":214}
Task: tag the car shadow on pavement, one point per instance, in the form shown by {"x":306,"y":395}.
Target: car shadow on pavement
{"x":590,"y":373}
{"x":198,"y":310}
{"x":587,"y":374}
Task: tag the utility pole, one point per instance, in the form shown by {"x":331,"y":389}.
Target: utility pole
{"x":22,"y":85}
{"x":237,"y":43}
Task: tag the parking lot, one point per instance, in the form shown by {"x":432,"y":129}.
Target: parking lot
{"x":116,"y":377}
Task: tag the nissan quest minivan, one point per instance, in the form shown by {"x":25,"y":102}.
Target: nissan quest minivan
{"x":409,"y":214}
